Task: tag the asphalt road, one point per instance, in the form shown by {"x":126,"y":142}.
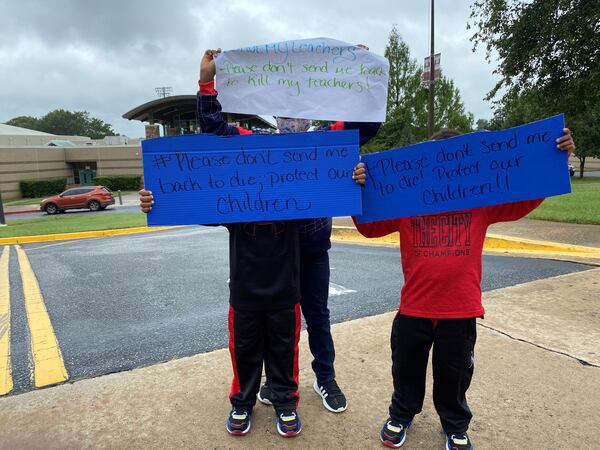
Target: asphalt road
{"x":128,"y":301}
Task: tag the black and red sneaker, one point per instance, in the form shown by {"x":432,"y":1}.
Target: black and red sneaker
{"x":238,"y":422}
{"x":393,"y":434}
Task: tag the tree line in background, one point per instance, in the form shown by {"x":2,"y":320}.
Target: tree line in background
{"x":548,"y":54}
{"x":67,"y":123}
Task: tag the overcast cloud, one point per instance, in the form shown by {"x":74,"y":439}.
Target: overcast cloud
{"x":107,"y":56}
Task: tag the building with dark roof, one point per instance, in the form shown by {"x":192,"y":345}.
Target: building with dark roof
{"x":178,"y":115}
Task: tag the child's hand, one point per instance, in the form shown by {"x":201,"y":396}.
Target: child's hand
{"x":566,"y":142}
{"x":359,"y":175}
{"x":207,"y":65}
{"x":146,"y":200}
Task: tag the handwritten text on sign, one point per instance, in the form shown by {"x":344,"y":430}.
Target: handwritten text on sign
{"x":311,"y":79}
{"x":468,"y":171}
{"x":206,"y":179}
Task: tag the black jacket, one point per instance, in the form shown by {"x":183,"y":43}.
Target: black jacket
{"x":264,"y":265}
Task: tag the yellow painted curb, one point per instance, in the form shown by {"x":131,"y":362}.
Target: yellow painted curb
{"x":6,"y":381}
{"x":48,"y":362}
{"x":78,"y":235}
{"x":493,"y":242}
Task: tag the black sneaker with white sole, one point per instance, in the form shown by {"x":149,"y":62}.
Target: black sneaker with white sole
{"x":333,"y":397}
{"x":264,"y":394}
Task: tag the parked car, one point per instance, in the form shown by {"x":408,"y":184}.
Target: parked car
{"x":571,"y":169}
{"x":93,"y":198}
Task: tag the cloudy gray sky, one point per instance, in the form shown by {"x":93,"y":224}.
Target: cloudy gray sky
{"x":107,"y":56}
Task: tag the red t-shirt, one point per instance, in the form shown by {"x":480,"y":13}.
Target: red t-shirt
{"x":441,"y":257}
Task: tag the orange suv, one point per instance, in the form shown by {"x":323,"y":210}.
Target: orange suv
{"x":93,"y":198}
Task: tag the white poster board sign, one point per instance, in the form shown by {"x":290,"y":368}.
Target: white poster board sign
{"x":317,"y":78}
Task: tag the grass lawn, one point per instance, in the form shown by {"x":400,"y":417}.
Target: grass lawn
{"x":69,"y":224}
{"x":582,"y":205}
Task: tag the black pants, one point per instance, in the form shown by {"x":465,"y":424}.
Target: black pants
{"x":314,"y":287}
{"x":453,"y":343}
{"x":270,"y":337}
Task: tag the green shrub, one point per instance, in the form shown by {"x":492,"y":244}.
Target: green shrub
{"x":120,"y":182}
{"x":42,"y":188}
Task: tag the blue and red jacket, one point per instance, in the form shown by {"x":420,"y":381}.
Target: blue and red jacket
{"x":315,"y":234}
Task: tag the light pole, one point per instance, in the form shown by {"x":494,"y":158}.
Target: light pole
{"x":431,"y":79}
{"x":2,"y":220}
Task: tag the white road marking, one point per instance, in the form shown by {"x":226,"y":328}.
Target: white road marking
{"x":62,"y":243}
{"x":338,"y":289}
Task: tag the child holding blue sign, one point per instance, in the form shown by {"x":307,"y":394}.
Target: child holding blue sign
{"x":440,"y":301}
{"x":314,"y":242}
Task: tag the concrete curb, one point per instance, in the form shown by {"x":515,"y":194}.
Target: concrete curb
{"x":493,"y":242}
{"x":78,"y":235}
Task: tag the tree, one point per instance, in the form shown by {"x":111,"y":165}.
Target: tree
{"x":587,"y":137}
{"x":449,"y":110}
{"x":62,"y":122}
{"x":546,"y":45}
{"x":483,"y":124}
{"x":403,"y":81}
{"x":549,"y":62}
{"x":406,"y":121}
{"x":31,"y":123}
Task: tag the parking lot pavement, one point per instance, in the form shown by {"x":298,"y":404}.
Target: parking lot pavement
{"x":532,"y":388}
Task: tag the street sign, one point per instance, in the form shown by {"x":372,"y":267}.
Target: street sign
{"x":427,"y":67}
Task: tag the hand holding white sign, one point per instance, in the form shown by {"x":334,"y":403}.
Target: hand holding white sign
{"x":318,"y":78}
{"x":207,"y":65}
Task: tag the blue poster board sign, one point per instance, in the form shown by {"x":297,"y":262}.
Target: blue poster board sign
{"x":207,"y":179}
{"x":467,"y":171}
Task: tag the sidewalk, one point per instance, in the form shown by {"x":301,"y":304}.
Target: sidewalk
{"x":535,"y":386}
